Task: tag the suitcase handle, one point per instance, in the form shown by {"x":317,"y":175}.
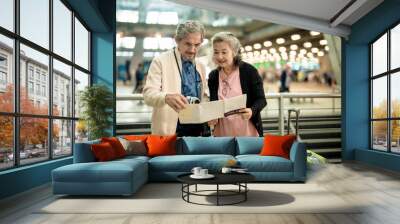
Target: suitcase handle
{"x":297,"y":113}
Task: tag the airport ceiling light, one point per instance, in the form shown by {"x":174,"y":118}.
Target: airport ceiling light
{"x":314,"y":33}
{"x":292,"y":53}
{"x":280,"y":40}
{"x":285,"y":57}
{"x":314,"y":50}
{"x":250,"y":54}
{"x":303,"y":51}
{"x":168,"y":18}
{"x":282,"y":49}
{"x":326,"y":48}
{"x":264,"y":52}
{"x":320,"y":53}
{"x":248,"y":48}
{"x":267,"y":43}
{"x":241,"y":49}
{"x":307,"y":44}
{"x":152,"y":17}
{"x":272,"y":50}
{"x":126,"y":42}
{"x":243,"y":55}
{"x":323,"y":42}
{"x":310,"y":55}
{"x":293,"y":47}
{"x":295,"y":37}
{"x":256,"y":53}
{"x":127,"y":16}
{"x":257,"y":46}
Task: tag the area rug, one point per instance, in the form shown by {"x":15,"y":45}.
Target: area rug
{"x":167,"y":198}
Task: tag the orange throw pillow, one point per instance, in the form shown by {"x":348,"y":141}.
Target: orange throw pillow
{"x":116,"y":145}
{"x":136,"y":137}
{"x":103,"y":151}
{"x":161,"y":145}
{"x":275,"y":145}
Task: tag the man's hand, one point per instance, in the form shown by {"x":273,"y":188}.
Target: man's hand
{"x":246,"y":113}
{"x":176,"y":101}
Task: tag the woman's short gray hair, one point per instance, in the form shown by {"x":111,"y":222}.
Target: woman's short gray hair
{"x":233,"y":43}
{"x":190,"y":26}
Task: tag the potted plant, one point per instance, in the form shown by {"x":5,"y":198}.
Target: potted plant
{"x":96,"y":102}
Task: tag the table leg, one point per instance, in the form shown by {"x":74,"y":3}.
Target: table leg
{"x":217,"y":194}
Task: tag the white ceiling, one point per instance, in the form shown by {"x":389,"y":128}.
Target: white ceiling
{"x":314,"y":15}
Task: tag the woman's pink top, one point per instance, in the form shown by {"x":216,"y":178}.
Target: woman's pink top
{"x":233,"y":125}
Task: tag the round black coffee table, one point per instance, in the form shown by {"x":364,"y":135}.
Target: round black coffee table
{"x":238,"y":179}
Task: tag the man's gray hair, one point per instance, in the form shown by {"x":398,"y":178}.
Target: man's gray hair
{"x":232,"y":41}
{"x":190,"y":26}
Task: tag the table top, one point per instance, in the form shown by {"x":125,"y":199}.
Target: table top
{"x":220,"y":178}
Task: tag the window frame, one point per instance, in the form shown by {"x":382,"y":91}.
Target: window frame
{"x":388,"y":74}
{"x":15,"y":68}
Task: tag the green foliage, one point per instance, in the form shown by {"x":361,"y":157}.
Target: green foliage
{"x":96,"y":102}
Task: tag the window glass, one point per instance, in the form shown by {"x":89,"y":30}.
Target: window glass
{"x":62,"y":89}
{"x":395,"y":47}
{"x":7,"y":14}
{"x":37,"y":61}
{"x":33,"y":139}
{"x":379,"y":135}
{"x":395,"y":136}
{"x":62,"y":29}
{"x":81,"y":131}
{"x":379,"y":56}
{"x":34,"y":21}
{"x":6,"y":142}
{"x":81,"y":45}
{"x":395,"y":94}
{"x":62,"y":138}
{"x":81,"y":81}
{"x":6,"y":74}
{"x":379,"y":98}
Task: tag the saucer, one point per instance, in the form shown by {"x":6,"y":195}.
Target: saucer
{"x":208,"y":176}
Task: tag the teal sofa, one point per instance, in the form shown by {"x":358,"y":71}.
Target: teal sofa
{"x":125,"y":176}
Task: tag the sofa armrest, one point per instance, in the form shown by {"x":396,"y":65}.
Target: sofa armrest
{"x":298,"y":156}
{"x":83,"y":152}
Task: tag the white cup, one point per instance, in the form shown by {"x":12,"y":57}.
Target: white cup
{"x":226,"y":170}
{"x":196,"y":170}
{"x":203,"y":172}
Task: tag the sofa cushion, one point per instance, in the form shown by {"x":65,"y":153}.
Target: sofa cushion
{"x":185,"y":163}
{"x":249,"y":145}
{"x":257,"y":163}
{"x":276,"y":145}
{"x":103,"y":152}
{"x":134,"y":147}
{"x":208,"y":145}
{"x":112,"y":171}
{"x":161,"y":145}
{"x":116,"y":145}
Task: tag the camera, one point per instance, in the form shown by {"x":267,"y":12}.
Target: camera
{"x":193,"y":100}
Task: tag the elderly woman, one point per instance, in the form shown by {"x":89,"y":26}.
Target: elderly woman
{"x":234,"y":77}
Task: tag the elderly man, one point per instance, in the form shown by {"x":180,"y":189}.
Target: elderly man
{"x":173,"y":78}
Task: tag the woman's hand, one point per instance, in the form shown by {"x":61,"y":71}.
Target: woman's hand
{"x":213,"y":122}
{"x":246,"y":113}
